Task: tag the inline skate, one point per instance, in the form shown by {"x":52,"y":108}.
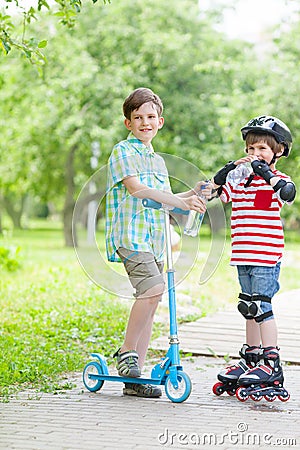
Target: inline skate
{"x":265,"y":380}
{"x":229,"y":376}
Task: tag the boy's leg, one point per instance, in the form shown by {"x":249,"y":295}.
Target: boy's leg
{"x":139,"y":327}
{"x":266,"y":285}
{"x":252,"y":327}
{"x":268,"y":331}
{"x":145,"y":275}
{"x":253,"y":336}
{"x":138,"y":334}
{"x":260,"y":283}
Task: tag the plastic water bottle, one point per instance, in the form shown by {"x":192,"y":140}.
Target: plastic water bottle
{"x":237,"y":175}
{"x":194,"y":219}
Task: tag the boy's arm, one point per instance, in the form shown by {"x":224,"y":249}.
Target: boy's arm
{"x":220,"y":177}
{"x":286,"y":190}
{"x":195,"y":191}
{"x":186,"y":193}
{"x":139,"y":190}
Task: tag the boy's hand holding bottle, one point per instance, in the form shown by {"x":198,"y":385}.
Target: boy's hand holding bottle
{"x":195,"y":218}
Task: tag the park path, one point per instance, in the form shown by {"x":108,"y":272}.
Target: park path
{"x":80,"y":420}
{"x":223,"y":333}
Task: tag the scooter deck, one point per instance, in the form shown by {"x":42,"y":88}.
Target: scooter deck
{"x":140,"y":380}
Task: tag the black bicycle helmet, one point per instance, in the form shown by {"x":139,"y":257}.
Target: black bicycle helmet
{"x":270,"y":125}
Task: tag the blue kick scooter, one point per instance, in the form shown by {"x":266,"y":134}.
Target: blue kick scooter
{"x":169,"y":371}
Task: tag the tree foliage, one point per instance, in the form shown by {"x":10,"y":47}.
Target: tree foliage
{"x":210,"y":86}
{"x":65,"y":10}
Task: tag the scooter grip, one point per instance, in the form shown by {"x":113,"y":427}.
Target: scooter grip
{"x":148,"y":203}
{"x":183,"y":212}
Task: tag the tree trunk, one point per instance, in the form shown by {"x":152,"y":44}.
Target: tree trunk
{"x":69,"y":204}
{"x":14,"y":212}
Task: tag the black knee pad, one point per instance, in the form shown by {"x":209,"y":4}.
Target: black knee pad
{"x":250,"y":307}
{"x":246,"y":307}
{"x":259,"y":300}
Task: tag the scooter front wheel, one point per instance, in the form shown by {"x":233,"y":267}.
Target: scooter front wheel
{"x":91,"y":383}
{"x":182,"y":391}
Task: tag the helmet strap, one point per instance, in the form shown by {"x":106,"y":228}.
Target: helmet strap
{"x":273,"y":160}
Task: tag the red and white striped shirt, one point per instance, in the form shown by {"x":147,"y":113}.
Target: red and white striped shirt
{"x":256,"y":229}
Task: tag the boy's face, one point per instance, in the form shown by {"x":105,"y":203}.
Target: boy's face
{"x":144,"y":122}
{"x":262,"y":151}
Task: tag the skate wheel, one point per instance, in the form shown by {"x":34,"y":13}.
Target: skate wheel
{"x":270,"y":398}
{"x":285,"y":397}
{"x":241,"y":394}
{"x":231,"y":393}
{"x":218,"y":388}
{"x":256,"y":397}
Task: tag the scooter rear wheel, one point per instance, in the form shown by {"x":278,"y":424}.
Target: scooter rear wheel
{"x":92,"y":384}
{"x":182,"y":391}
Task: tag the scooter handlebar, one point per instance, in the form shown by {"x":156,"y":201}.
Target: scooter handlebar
{"x":148,"y":203}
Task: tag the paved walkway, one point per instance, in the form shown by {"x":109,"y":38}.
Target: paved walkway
{"x":80,"y":420}
{"x":223,"y":333}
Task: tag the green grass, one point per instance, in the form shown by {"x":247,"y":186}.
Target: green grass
{"x":53,"y":316}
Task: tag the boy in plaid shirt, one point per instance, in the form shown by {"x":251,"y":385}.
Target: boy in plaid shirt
{"x":134,"y":234}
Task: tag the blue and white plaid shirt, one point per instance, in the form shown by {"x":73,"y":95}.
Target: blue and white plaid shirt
{"x":128,"y":223}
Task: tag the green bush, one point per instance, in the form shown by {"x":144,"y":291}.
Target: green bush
{"x":9,"y":258}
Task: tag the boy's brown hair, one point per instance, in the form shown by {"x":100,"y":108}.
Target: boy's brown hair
{"x":137,"y":98}
{"x":253,"y":138}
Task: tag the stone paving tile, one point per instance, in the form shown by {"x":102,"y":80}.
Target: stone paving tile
{"x":80,"y":420}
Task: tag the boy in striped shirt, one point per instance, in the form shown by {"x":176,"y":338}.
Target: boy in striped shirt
{"x":257,"y":245}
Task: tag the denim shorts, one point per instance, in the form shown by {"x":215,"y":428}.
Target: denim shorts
{"x":143,"y":270}
{"x":260,"y":280}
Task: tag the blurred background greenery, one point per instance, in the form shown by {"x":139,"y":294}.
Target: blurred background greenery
{"x":53,"y":115}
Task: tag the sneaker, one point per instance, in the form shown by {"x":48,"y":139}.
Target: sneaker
{"x":142,"y":390}
{"x":127,"y":364}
